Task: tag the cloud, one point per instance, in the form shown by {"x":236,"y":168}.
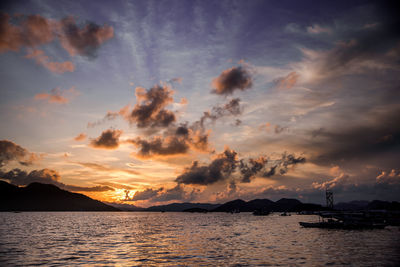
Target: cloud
{"x":163,"y":194}
{"x":251,"y":168}
{"x":227,"y":164}
{"x":288,"y":81}
{"x":109,"y":139}
{"x":10,"y":151}
{"x":219,"y":169}
{"x":56,"y":67}
{"x":46,"y":176}
{"x":176,"y":141}
{"x":340,"y":181}
{"x":230,"y":108}
{"x":105,"y":168}
{"x":172,"y":145}
{"x":175,"y":193}
{"x":149,"y":110}
{"x":80,"y":137}
{"x":380,"y":136}
{"x":145,"y":194}
{"x":393,"y":177}
{"x":111,"y":115}
{"x":235,"y":78}
{"x":317,"y":29}
{"x":83,"y":41}
{"x":58,"y":96}
{"x":33,"y":31}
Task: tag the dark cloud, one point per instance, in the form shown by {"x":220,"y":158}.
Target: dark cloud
{"x":109,"y":139}
{"x":380,"y":137}
{"x":172,"y":145}
{"x":46,"y":176}
{"x":175,"y":141}
{"x":271,"y":172}
{"x":226,"y":164}
{"x":279,"y":129}
{"x":10,"y":151}
{"x":83,"y":41}
{"x":235,"y":78}
{"x":230,"y":108}
{"x":176,"y":193}
{"x":289,"y":160}
{"x":145,"y":194}
{"x":251,"y":168}
{"x":219,"y":169}
{"x":163,"y":195}
{"x":150,"y":108}
{"x":363,"y":44}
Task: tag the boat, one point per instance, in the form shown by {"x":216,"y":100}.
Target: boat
{"x":340,"y":220}
{"x":285,"y":214}
{"x":261,"y":213}
{"x":235,"y":211}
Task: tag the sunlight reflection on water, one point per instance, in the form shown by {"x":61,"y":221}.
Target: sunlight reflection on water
{"x":139,"y":238}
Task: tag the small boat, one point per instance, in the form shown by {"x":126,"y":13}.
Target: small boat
{"x":261,"y":213}
{"x":344,"y":221}
{"x":235,"y":211}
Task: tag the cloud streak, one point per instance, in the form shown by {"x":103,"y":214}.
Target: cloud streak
{"x":58,"y":96}
{"x":45,"y":61}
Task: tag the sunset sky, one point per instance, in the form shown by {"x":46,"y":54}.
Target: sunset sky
{"x":153,"y":102}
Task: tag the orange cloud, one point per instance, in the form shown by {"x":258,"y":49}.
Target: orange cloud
{"x":57,"y":95}
{"x":56,"y":67}
{"x":80,"y":137}
{"x":34,"y":30}
{"x":288,"y":81}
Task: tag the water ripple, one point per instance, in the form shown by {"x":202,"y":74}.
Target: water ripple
{"x":180,"y":239}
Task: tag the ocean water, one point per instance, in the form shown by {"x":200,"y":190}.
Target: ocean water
{"x":182,"y":239}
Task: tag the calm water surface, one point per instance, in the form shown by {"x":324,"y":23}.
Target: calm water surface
{"x":173,"y":239}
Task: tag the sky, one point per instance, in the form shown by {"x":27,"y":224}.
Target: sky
{"x":154,"y":102}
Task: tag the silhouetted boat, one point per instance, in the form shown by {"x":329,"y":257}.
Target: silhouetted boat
{"x":235,"y":211}
{"x":261,"y":213}
{"x":344,"y":221}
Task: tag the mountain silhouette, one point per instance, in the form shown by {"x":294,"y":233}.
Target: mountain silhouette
{"x":284,"y":204}
{"x":183,"y":206}
{"x":46,"y":197}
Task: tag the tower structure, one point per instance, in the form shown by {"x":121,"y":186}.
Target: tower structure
{"x":329,"y":199}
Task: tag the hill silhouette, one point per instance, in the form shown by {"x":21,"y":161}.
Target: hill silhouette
{"x":284,"y":204}
{"x":183,"y":206}
{"x":46,"y":197}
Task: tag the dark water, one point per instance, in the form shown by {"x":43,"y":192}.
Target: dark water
{"x":171,"y":239}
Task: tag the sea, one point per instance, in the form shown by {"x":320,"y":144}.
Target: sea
{"x":187,"y":239}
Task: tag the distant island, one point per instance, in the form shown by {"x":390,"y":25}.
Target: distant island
{"x":47,"y":197}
